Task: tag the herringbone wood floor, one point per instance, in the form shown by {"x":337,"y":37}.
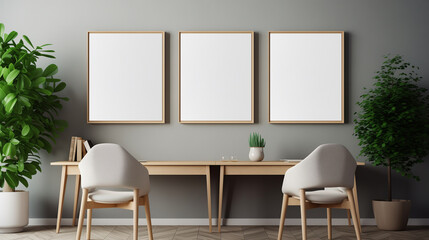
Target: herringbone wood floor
{"x":228,"y":233}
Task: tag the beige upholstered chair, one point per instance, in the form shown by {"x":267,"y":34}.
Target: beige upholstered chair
{"x":108,"y":166}
{"x":330,"y":168}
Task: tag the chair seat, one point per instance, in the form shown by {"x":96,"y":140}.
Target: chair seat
{"x":111,"y":197}
{"x":327,"y":196}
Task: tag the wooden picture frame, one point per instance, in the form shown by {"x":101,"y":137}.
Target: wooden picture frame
{"x":306,"y":76}
{"x":216,"y":77}
{"x":126,"y":77}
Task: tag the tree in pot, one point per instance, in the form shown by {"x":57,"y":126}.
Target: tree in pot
{"x":28,"y":109}
{"x":393,"y":130}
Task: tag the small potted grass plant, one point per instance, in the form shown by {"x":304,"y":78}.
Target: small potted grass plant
{"x":256,"y":144}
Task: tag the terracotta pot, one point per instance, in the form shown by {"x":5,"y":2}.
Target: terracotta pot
{"x":391,"y":215}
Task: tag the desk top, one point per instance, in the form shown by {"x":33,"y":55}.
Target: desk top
{"x":263,"y":163}
{"x":150,"y":163}
{"x":201,"y":163}
{"x":251,"y":163}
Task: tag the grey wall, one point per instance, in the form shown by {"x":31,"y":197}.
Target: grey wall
{"x":374,"y":28}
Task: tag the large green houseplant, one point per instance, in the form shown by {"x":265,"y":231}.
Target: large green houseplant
{"x":28,"y":110}
{"x":393,"y":130}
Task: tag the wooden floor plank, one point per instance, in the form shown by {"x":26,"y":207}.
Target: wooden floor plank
{"x":228,"y":233}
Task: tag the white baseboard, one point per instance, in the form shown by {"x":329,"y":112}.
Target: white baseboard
{"x":229,"y":221}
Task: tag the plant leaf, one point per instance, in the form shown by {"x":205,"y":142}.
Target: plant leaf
{"x":23,"y":181}
{"x":5,"y":71}
{"x":14,"y":141}
{"x":30,"y":168}
{"x":1,"y":29}
{"x":11,"y":167}
{"x":20,"y":165}
{"x":50,"y":70}
{"x":44,"y":45}
{"x":47,"y":55}
{"x":1,"y":179}
{"x":45,"y":91}
{"x":12,"y":35}
{"x":9,"y":149}
{"x":10,"y":105}
{"x":27,"y":40}
{"x":9,"y":97}
{"x":24,"y":101}
{"x":46,"y":145}
{"x":2,"y":94}
{"x":37,"y":165}
{"x":27,"y":174}
{"x":20,"y":84}
{"x":12,"y":75}
{"x":10,"y":179}
{"x":60,"y":87}
{"x":25,"y":130}
{"x":38,"y":81}
{"x":22,"y":57}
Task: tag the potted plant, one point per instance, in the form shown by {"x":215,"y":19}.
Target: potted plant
{"x":28,"y":109}
{"x":393,"y":130}
{"x":256,"y":144}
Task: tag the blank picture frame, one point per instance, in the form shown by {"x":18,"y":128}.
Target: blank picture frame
{"x":306,"y":77}
{"x":216,"y":77}
{"x":126,"y":77}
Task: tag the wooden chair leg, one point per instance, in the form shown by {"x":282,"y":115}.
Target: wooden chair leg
{"x":82,"y":213}
{"x":355,"y":196}
{"x":303,"y":216}
{"x":88,"y":223}
{"x":353,"y":212}
{"x":348,"y":217}
{"x":148,"y":218}
{"x":136,"y":214}
{"x":329,"y":218}
{"x":283,"y":215}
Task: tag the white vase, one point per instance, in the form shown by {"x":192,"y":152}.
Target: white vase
{"x":13,"y":211}
{"x":256,"y":154}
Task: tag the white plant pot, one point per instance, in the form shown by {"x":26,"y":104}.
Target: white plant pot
{"x":256,"y":154}
{"x":13,"y":211}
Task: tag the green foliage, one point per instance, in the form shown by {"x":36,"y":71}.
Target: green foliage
{"x":255,"y":140}
{"x":394,"y":119}
{"x":28,"y":108}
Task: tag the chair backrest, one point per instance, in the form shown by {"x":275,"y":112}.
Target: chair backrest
{"x":329,"y":165}
{"x":110,"y":165}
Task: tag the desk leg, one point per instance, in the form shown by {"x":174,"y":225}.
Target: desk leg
{"x":209,"y":198}
{"x":61,"y":200}
{"x":221,"y":177}
{"x":76,"y":199}
{"x":356,"y":205}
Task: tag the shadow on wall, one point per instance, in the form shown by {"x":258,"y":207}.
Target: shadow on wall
{"x":347,"y":74}
{"x":167,"y":78}
{"x":256,"y":80}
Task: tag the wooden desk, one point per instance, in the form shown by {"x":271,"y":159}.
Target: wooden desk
{"x":257,"y":168}
{"x":185,"y":168}
{"x":154,"y":168}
